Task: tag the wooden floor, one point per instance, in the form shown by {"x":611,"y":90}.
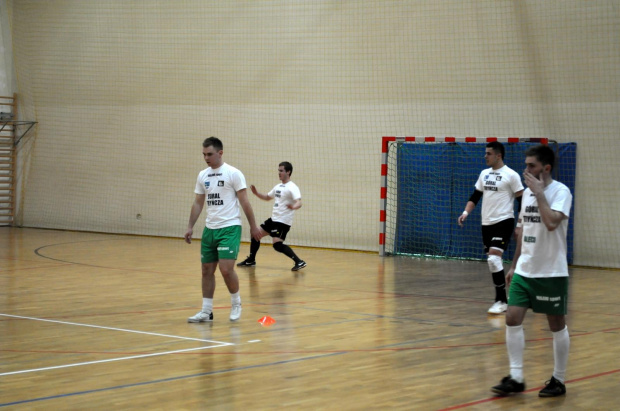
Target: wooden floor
{"x":95,"y":321}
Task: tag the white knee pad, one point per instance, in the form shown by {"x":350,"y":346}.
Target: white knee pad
{"x":495,"y":263}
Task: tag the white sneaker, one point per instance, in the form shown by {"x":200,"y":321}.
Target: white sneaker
{"x":235,"y":312}
{"x":201,"y":317}
{"x":498,"y":308}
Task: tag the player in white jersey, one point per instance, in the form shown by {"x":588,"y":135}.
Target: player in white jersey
{"x":222,"y":188}
{"x":498,"y":186}
{"x":287,"y":200}
{"x":538,"y":277}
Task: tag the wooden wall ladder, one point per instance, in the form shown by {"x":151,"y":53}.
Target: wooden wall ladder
{"x":11,"y":132}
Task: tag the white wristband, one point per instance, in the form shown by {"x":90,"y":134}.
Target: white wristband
{"x":465,"y":213}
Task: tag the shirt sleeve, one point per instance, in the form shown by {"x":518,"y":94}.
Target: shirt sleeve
{"x":238,"y":180}
{"x":562,"y":201}
{"x":272,"y":193}
{"x":295,"y":192}
{"x":479,"y":184}
{"x":200,"y":188}
{"x":516,"y":183}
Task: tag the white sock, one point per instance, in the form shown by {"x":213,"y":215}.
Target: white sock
{"x":235,"y":299}
{"x":515,"y":343}
{"x":207,"y":305}
{"x":561,"y":344}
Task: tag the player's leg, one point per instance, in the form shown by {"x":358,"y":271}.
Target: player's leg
{"x":515,"y":337}
{"x":496,"y":267}
{"x":496,"y":238}
{"x":209,"y":259}
{"x":556,"y":316}
{"x":229,"y":239}
{"x":278,"y":234}
{"x":250,"y":260}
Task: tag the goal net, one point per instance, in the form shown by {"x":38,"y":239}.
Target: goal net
{"x":426,"y":183}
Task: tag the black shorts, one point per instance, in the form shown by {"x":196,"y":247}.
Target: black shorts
{"x":497,"y":235}
{"x":276,"y":229}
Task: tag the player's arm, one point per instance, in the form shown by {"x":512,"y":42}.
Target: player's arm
{"x":259,"y":195}
{"x":511,"y":271}
{"x":296,"y":205}
{"x":518,"y":228}
{"x":550,"y":218}
{"x":194,"y":213}
{"x":469,"y":207}
{"x":255,"y":231}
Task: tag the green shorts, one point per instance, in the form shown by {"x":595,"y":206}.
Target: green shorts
{"x":220,"y":244}
{"x":542,"y":295}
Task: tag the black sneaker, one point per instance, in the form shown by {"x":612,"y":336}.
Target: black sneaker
{"x":508,"y":386}
{"x":298,"y":266}
{"x":248,"y":262}
{"x":553,"y":388}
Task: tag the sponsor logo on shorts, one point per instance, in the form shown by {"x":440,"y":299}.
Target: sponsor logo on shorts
{"x":547,"y":298}
{"x":223,"y":248}
{"x":529,"y":239}
{"x":496,"y":239}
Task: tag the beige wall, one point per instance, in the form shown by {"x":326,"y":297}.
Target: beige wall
{"x":124,"y":92}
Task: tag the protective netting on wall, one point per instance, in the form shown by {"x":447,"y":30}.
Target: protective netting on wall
{"x":125,"y":91}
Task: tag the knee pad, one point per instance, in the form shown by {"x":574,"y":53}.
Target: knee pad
{"x":278,"y":246}
{"x":495,"y":263}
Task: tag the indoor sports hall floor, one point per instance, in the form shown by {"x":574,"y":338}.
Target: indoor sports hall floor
{"x":95,"y":321}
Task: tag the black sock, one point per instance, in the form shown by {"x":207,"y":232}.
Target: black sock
{"x":499,"y":279}
{"x":254,"y":246}
{"x":288,"y":251}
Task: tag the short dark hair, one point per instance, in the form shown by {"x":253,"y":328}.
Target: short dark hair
{"x":288,"y":167}
{"x":213,"y":141}
{"x":497,"y":147}
{"x":543,"y":153}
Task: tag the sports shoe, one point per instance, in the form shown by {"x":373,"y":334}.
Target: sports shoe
{"x":498,"y":308}
{"x":248,"y":262}
{"x":553,"y":388}
{"x":201,"y":317}
{"x":235,"y":312}
{"x":298,"y":266}
{"x":508,"y":386}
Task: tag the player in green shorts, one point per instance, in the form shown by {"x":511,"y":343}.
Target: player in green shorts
{"x":222,"y":189}
{"x":538,"y":277}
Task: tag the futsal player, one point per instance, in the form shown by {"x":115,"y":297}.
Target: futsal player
{"x":538,"y":276}
{"x":287,"y":199}
{"x":222,"y":188}
{"x":498,"y":186}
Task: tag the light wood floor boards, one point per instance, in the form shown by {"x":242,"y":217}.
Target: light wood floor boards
{"x":95,"y":321}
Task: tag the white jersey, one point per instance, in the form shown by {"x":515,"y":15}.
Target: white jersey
{"x":498,"y":193}
{"x":285,"y":195}
{"x":543,"y":252}
{"x":220,"y":187}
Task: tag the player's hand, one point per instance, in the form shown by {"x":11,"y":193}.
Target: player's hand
{"x":188,"y":236}
{"x":537,"y":185}
{"x":509,"y":276}
{"x":461,"y":220}
{"x":256,"y":233}
{"x":254,"y":191}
